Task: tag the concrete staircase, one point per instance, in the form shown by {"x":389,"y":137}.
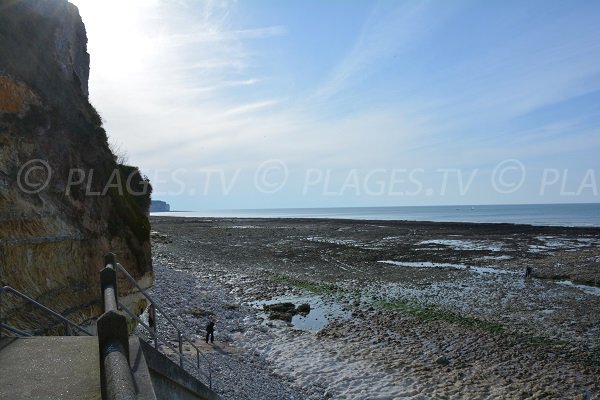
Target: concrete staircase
{"x":68,"y":368}
{"x":50,"y":367}
{"x":109,"y":366}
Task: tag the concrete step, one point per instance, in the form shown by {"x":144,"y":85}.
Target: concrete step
{"x":50,"y":367}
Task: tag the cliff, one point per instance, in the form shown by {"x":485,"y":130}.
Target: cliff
{"x":159,"y":206}
{"x":64,"y":200}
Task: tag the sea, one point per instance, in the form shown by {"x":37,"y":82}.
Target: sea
{"x":533,"y":214}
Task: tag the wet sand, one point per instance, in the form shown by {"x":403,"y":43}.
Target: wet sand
{"x":428,"y":310}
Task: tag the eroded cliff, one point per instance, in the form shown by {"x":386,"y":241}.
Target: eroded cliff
{"x":64,"y":200}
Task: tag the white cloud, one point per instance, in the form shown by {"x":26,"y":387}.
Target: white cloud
{"x":180,"y":87}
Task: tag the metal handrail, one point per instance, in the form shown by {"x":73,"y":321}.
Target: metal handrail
{"x":14,"y":330}
{"x":165,"y":341}
{"x":180,"y":333}
{"x":68,"y":323}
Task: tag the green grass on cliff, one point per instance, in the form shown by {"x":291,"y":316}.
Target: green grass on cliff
{"x":130,"y":203}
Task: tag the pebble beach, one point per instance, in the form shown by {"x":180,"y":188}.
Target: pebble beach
{"x":397,"y":309}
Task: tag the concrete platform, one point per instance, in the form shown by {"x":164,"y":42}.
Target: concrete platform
{"x":50,"y":367}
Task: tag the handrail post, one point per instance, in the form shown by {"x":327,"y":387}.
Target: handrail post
{"x":112,"y":325}
{"x":151,"y":315}
{"x":180,"y":349}
{"x":108,"y":280}
{"x":1,"y":312}
{"x":68,"y":331}
{"x":113,"y":339}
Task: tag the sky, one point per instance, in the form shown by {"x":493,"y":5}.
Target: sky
{"x":330,"y":103}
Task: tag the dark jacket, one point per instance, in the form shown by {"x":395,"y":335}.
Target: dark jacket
{"x":210,"y":328}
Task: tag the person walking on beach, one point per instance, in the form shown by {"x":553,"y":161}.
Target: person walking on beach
{"x":210,"y":329}
{"x":151,"y":316}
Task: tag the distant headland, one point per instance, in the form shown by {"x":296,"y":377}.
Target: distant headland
{"x":159,"y":206}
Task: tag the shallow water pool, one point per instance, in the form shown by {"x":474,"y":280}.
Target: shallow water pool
{"x":321,"y":311}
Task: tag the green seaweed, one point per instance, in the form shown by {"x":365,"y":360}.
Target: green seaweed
{"x":436,"y":313}
{"x":314,"y":287}
{"x":542,"y":341}
{"x":424,"y":312}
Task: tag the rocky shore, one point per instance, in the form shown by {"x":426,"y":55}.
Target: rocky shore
{"x":397,"y":309}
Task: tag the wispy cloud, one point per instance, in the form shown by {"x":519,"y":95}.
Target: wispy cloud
{"x":246,"y":108}
{"x":218,"y":36}
{"x":385,"y":33}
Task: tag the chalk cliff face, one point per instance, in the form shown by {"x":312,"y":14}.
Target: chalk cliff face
{"x":64,"y":200}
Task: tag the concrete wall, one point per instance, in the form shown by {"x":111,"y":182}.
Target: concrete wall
{"x":169,"y":381}
{"x":165,"y":388}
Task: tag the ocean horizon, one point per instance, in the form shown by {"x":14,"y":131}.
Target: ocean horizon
{"x":573,"y":214}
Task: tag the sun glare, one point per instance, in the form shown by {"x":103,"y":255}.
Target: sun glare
{"x":117,"y":39}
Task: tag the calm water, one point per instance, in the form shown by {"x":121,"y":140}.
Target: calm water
{"x":534,"y":214}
